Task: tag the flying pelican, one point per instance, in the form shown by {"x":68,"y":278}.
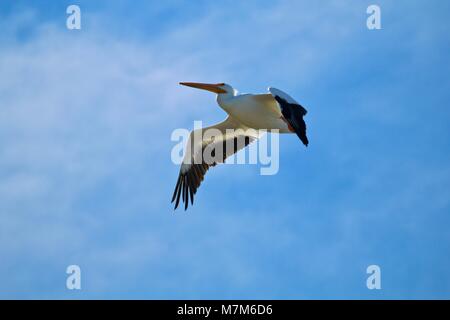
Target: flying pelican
{"x":273,"y":110}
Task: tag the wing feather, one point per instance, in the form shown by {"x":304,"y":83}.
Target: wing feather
{"x":194,"y":166}
{"x":293,"y":113}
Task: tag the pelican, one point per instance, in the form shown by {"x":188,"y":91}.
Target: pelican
{"x":274,"y":110}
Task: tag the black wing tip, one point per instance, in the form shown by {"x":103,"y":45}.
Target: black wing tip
{"x":304,"y":111}
{"x":283,"y":101}
{"x":305,"y":140}
{"x":185,"y":190}
{"x":294,"y":113}
{"x":178,"y":190}
{"x":280,"y":99}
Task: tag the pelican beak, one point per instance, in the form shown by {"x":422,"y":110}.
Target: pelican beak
{"x":205,"y":86}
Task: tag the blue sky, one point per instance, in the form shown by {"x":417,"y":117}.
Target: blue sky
{"x":86,"y":176}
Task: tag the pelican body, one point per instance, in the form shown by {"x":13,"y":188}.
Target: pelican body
{"x":259,"y":112}
{"x":275,"y":110}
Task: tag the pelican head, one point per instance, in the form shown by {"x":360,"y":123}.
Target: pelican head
{"x":219,"y":88}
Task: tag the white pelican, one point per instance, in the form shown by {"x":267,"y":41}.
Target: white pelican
{"x":273,"y":110}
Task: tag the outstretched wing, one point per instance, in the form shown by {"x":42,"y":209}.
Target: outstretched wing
{"x":293,"y":112}
{"x":205,"y":148}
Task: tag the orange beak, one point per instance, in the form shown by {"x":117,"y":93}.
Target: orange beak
{"x":205,"y":86}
